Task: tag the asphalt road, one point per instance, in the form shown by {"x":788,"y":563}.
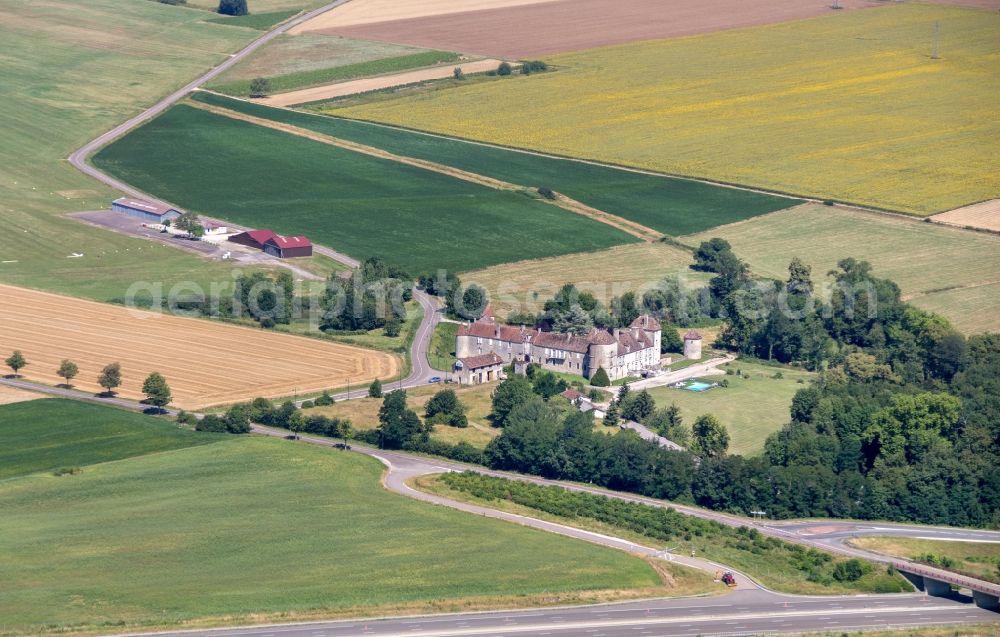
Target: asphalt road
{"x":740,"y":613}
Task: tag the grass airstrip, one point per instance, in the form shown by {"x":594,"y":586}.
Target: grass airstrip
{"x":260,"y":528}
{"x":849,"y":106}
{"x":71,"y":71}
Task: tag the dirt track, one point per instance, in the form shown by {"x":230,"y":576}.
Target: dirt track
{"x":340,"y":89}
{"x":206,"y":363}
{"x":571,"y":25}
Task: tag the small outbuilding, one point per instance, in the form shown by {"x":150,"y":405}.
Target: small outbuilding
{"x":148,"y":211}
{"x":692,"y":345}
{"x":285,"y":247}
{"x":475,"y":370}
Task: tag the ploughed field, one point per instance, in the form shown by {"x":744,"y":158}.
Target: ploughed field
{"x":356,"y":203}
{"x":848,"y":106}
{"x":205,"y":362}
{"x":263,"y":529}
{"x":663,"y":204}
{"x":522,"y":28}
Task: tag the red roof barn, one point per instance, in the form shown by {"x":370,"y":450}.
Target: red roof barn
{"x":284,"y":247}
{"x":253,"y":238}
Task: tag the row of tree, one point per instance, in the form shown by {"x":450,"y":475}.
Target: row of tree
{"x":155,"y":386}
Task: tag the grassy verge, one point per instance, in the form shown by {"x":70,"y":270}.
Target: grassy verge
{"x":779,"y":565}
{"x":356,"y":203}
{"x":258,"y":21}
{"x":53,"y":434}
{"x":318,"y":77}
{"x":976,"y":559}
{"x":125,"y":544}
{"x":441,"y":353}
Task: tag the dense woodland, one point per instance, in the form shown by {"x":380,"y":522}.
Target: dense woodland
{"x":902,"y":424}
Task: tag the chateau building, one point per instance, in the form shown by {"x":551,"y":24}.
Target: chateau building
{"x":621,"y":352}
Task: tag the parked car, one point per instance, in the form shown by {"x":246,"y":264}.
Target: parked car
{"x":434,"y":379}
{"x":342,"y":445}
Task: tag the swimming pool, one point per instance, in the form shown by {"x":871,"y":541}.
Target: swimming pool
{"x":698,"y":386}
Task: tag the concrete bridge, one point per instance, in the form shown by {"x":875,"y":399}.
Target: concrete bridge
{"x":938,"y":583}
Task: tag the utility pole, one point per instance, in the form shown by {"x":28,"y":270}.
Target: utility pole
{"x":935,"y":53}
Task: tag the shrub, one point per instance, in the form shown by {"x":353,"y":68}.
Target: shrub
{"x":260,"y":87}
{"x":778,"y":376}
{"x":67,"y":471}
{"x":308,"y":404}
{"x":503,"y":69}
{"x":458,"y":73}
{"x":211,"y":422}
{"x":392,"y":327}
{"x":324,"y":400}
{"x":850,"y":570}
{"x":375,"y":389}
{"x":533,"y":66}
{"x":547,"y":193}
{"x":600,"y":378}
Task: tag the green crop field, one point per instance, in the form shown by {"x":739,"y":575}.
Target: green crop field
{"x":44,"y":435}
{"x":316,"y":77}
{"x":947,"y":270}
{"x":72,"y":70}
{"x":751,"y":408}
{"x":668,"y":205}
{"x":356,"y":203}
{"x":251,"y":529}
{"x":848,"y":106}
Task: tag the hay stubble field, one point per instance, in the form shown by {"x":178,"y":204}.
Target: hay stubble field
{"x":205,"y":362}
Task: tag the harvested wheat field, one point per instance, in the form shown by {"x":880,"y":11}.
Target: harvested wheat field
{"x":205,"y":362}
{"x":364,"y":85}
{"x":570,"y":25}
{"x":983,"y":216}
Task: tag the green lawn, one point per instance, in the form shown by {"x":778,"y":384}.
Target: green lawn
{"x":50,"y":434}
{"x":251,"y":529}
{"x":356,"y":203}
{"x":672,"y":206}
{"x":944,"y":269}
{"x":258,"y":21}
{"x":317,"y":77}
{"x":750,"y":408}
{"x":72,"y":70}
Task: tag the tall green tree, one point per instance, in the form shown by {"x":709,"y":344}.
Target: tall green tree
{"x":157,"y":391}
{"x":16,"y":361}
{"x":375,"y":389}
{"x":398,"y":424}
{"x":233,"y":7}
{"x":68,"y":371}
{"x":600,"y":378}
{"x":110,"y":377}
{"x":445,"y":407}
{"x":709,"y":437}
{"x":706,"y":256}
{"x":260,"y":87}
{"x":510,"y":393}
{"x":637,"y":406}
